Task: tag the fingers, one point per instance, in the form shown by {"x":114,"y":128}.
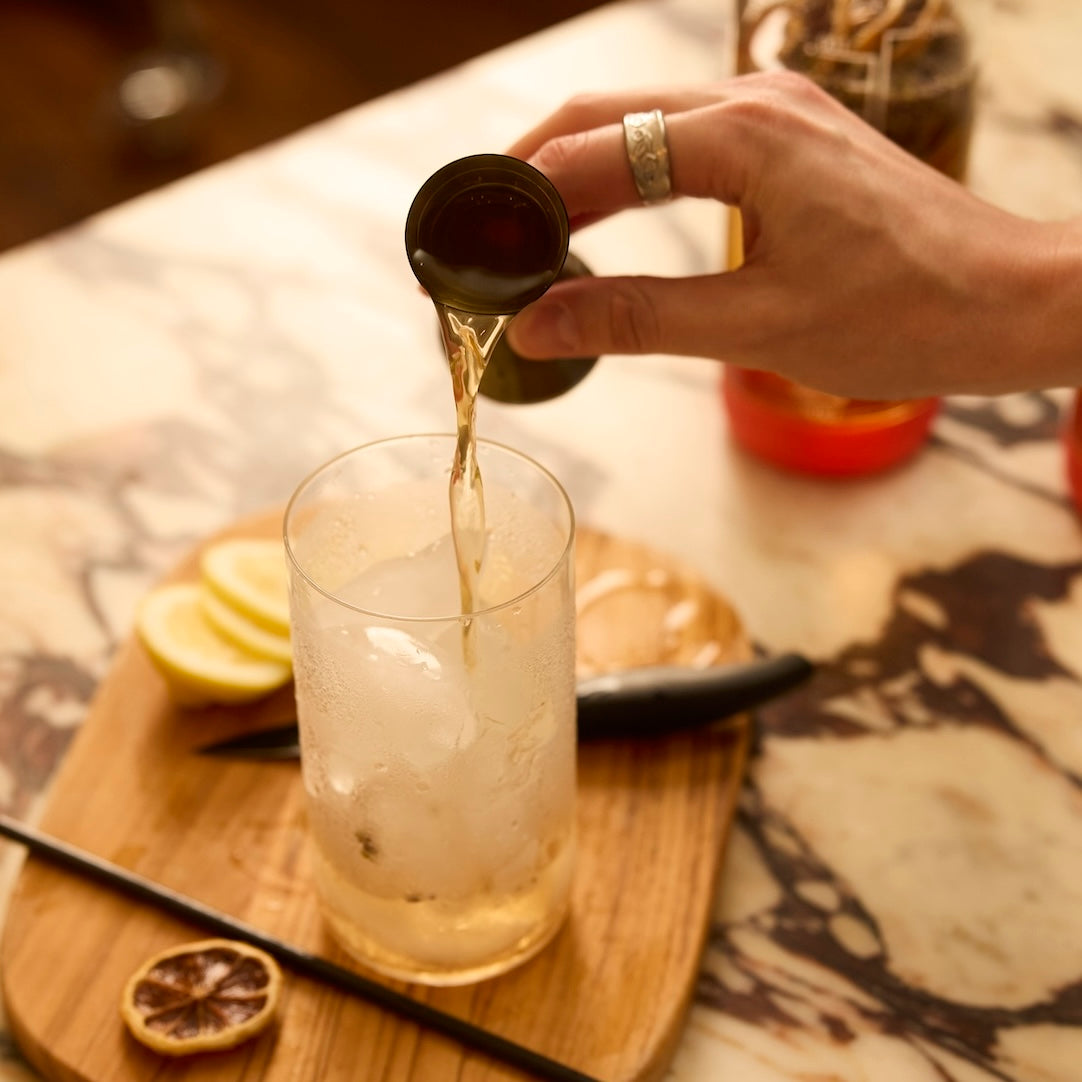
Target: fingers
{"x":720,"y":143}
{"x":587,"y":317}
{"x":725,"y":141}
{"x":588,"y":111}
{"x":736,"y":142}
{"x":581,"y":149}
{"x":713,"y":151}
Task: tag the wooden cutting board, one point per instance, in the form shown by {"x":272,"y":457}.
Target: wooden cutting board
{"x":608,"y":996}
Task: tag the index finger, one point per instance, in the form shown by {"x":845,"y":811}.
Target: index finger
{"x":589,"y":111}
{"x":714,"y":150}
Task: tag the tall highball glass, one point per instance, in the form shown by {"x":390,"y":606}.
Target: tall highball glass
{"x":438,"y":747}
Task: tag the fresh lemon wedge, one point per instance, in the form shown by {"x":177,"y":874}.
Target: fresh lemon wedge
{"x":250,"y":636}
{"x":249,"y":575}
{"x":200,"y":664}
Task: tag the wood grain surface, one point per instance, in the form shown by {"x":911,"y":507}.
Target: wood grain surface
{"x":608,"y":996}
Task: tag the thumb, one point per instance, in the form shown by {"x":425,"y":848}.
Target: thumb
{"x":586,"y":317}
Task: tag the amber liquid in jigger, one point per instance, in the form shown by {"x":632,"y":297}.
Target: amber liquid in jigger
{"x":489,"y":245}
{"x":914,"y":82}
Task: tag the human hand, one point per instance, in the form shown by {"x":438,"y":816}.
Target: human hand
{"x":866,"y":273}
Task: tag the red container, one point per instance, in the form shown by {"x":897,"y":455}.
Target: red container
{"x":811,"y":432}
{"x":1072,"y":445}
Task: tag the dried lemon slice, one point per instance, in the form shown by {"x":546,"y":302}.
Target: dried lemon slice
{"x":199,"y":663}
{"x":201,"y":997}
{"x":249,"y":575}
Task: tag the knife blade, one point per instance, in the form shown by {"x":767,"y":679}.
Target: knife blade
{"x":644,"y":703}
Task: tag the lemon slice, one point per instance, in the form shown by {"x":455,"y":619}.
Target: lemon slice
{"x":201,"y":997}
{"x":200,"y":664}
{"x":249,"y":575}
{"x":250,"y":636}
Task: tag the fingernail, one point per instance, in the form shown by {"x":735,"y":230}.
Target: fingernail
{"x":545,"y":329}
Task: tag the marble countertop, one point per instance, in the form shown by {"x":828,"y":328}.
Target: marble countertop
{"x":902,"y":895}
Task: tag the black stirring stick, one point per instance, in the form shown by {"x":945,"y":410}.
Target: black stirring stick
{"x":310,"y":965}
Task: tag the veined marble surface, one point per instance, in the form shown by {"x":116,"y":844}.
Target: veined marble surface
{"x":902,"y":898}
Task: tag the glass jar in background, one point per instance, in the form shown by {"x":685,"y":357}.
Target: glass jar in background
{"x":907,"y":69}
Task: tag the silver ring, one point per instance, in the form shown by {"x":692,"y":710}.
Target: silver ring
{"x":648,"y":155}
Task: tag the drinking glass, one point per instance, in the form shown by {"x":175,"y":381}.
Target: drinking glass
{"x":915,"y":83}
{"x":437,"y":747}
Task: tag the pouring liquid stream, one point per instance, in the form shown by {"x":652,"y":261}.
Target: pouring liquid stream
{"x":468,"y":339}
{"x":485,"y":236}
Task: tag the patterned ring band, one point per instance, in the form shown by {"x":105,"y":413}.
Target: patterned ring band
{"x":648,"y":155}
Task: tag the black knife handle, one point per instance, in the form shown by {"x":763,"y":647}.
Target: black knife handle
{"x":646,"y":703}
{"x":652,"y":710}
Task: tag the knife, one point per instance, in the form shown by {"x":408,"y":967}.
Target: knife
{"x":644,"y":703}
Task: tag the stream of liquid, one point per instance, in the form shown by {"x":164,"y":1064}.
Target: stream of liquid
{"x":483,"y":253}
{"x":469,"y":339}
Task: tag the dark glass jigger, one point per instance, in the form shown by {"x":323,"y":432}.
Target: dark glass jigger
{"x":487,"y":234}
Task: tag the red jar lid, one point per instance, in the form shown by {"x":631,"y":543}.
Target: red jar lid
{"x":810,"y":432}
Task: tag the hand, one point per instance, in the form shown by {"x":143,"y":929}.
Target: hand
{"x":866,"y":272}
